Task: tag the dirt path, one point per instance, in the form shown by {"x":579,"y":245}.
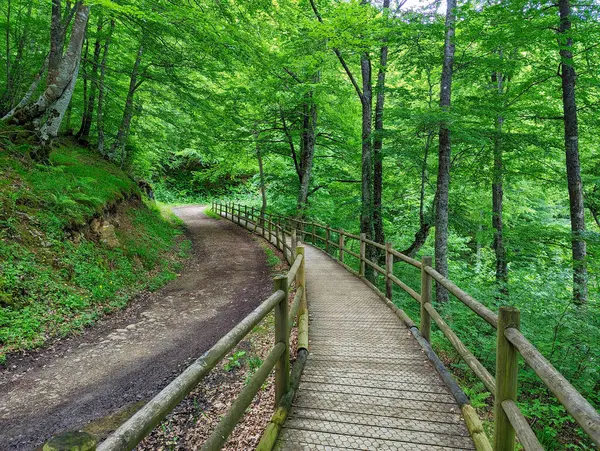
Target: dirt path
{"x":133,"y":354}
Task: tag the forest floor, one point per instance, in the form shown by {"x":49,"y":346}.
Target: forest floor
{"x":106,"y":373}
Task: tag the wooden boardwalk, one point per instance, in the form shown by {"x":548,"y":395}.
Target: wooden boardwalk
{"x":367,"y":384}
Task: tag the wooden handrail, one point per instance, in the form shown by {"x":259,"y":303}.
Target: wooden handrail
{"x":579,"y":408}
{"x":130,"y":433}
{"x":465,"y":298}
{"x":509,"y":419}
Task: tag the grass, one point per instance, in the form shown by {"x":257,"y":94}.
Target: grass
{"x":272,"y":259}
{"x":55,"y":277}
{"x":211,"y":214}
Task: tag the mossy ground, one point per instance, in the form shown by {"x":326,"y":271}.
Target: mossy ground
{"x":51,"y":285}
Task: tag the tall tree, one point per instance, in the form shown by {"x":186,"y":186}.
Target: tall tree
{"x":118,"y":147}
{"x":365,"y":95}
{"x":90,"y":100}
{"x":378,"y":140}
{"x":575,"y":186}
{"x":498,"y":194}
{"x":63,"y":68}
{"x":445,"y":146}
{"x":101,"y":89}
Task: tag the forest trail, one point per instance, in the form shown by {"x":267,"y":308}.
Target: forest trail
{"x":367,"y":383}
{"x":131,"y":355}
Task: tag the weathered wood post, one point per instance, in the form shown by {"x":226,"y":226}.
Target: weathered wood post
{"x":277,"y":232}
{"x":302,"y":237}
{"x":270,"y":224}
{"x":507,"y":367}
{"x":363,"y":249}
{"x":314,"y":233}
{"x":303,"y":309}
{"x":282,"y":369}
{"x":341,"y":244}
{"x":389,"y":270}
{"x":426,"y":284}
{"x":327,"y":238}
{"x":294,"y":240}
{"x":283,"y":245}
{"x":246,"y":215}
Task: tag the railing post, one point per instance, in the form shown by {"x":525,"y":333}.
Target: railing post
{"x":303,"y":309}
{"x":363,"y":248}
{"x":277,"y":239}
{"x":425,"y":327}
{"x":341,"y":244}
{"x":282,"y":369}
{"x":283,"y":245}
{"x":246,"y":215}
{"x":270,"y":223}
{"x":389,"y":270}
{"x":314,"y":234}
{"x":294,"y":240}
{"x":327,"y":238}
{"x":507,"y":366}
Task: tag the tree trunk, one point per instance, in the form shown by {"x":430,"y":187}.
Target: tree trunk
{"x":443,"y":181}
{"x":100,"y":113}
{"x":49,"y":129}
{"x":86,"y":121}
{"x":378,"y":147}
{"x":497,"y":202}
{"x":61,"y":69}
{"x":123,"y":133}
{"x":27,"y":97}
{"x":7,"y":37}
{"x":578,"y":244}
{"x":261,"y":172}
{"x":13,"y":81}
{"x":366,"y":214}
{"x":307,"y":150}
{"x":424,"y":221}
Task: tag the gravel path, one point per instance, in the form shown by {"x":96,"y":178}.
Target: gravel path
{"x":132,"y":354}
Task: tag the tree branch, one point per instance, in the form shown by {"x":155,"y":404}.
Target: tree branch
{"x":339,"y":55}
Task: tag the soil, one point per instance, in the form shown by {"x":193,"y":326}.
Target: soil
{"x":108,"y":371}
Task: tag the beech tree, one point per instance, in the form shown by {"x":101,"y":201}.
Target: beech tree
{"x":445,"y":146}
{"x":575,"y":186}
{"x":63,"y":67}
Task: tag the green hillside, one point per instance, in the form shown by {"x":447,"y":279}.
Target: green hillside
{"x":58,"y":274}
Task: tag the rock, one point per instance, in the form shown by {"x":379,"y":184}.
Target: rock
{"x":95,"y":225}
{"x":108,"y":236}
{"x":71,"y":441}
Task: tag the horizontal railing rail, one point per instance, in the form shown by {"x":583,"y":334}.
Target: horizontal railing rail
{"x":508,"y":418}
{"x":133,"y":431}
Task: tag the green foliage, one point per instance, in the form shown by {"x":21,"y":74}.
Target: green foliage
{"x":273,"y":259}
{"x":234,"y":360}
{"x":211,"y":214}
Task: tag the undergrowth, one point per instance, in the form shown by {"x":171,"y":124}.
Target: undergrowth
{"x":52,"y":285}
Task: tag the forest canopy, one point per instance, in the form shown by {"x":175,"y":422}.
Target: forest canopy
{"x":465,"y":130}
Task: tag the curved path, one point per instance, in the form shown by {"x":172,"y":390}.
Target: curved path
{"x":367,"y":383}
{"x":131,"y":355}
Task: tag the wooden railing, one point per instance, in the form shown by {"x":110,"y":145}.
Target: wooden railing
{"x":128,"y":435}
{"x":508,"y":419}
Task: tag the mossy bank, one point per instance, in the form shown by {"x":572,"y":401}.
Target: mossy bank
{"x":77,"y":241}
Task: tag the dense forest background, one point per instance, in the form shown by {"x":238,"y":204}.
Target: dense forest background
{"x":447,"y":129}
